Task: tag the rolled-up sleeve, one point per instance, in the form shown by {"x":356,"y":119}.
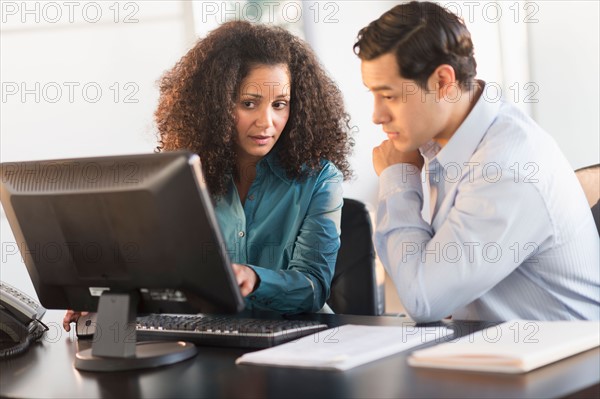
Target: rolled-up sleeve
{"x":305,"y":284}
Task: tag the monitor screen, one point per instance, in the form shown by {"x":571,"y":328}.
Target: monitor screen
{"x":141,"y":224}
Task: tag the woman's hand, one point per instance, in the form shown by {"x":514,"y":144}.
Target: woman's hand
{"x":246,"y":278}
{"x":71,"y":317}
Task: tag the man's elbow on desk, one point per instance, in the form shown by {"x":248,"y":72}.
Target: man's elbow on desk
{"x":420,"y":308}
{"x":426,"y":317}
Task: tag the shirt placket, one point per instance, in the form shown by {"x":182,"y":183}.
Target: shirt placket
{"x":434,"y":174}
{"x":250,"y":207}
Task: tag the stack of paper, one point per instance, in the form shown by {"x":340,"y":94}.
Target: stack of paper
{"x":516,"y":346}
{"x":345,"y":347}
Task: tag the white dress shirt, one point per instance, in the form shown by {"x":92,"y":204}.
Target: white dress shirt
{"x":511,"y":233}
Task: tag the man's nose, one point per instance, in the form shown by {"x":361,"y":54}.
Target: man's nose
{"x":381,"y":114}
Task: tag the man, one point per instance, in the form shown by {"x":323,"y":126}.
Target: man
{"x":511,"y":234}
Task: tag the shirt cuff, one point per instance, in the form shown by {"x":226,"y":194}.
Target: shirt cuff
{"x":399,"y":177}
{"x":262,"y":294}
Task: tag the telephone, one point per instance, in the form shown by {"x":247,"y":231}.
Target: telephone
{"x":20,"y":323}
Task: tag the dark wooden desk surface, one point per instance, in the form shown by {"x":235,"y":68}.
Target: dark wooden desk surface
{"x":47,"y":371}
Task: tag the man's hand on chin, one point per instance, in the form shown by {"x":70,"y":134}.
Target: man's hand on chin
{"x":386,"y":155}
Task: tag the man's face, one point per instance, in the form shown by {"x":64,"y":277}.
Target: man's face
{"x":409,"y":115}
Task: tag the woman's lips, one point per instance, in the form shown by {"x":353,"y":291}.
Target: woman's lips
{"x":260,"y":140}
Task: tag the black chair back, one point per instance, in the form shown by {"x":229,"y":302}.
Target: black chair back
{"x":354,"y":289}
{"x":589,"y":177}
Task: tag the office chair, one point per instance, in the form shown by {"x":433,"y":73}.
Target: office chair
{"x":354,"y":289}
{"x":589,"y":177}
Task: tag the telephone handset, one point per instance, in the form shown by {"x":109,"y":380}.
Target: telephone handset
{"x":20,"y":323}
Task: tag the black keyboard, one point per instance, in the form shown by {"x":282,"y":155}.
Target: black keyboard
{"x":223,"y":330}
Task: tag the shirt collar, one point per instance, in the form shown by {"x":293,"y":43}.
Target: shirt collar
{"x":430,"y":149}
{"x":271,"y":161}
{"x":467,"y":137}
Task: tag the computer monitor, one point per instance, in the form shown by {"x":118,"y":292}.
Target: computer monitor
{"x":120,"y":235}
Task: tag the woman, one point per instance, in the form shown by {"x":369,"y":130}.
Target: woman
{"x":272,"y":134}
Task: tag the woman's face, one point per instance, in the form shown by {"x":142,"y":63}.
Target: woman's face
{"x":262,"y":110}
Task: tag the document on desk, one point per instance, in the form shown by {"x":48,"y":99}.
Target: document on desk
{"x":515,"y":346}
{"x":344,"y":347}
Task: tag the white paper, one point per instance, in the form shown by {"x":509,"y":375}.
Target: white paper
{"x":344,"y":347}
{"x":515,"y":346}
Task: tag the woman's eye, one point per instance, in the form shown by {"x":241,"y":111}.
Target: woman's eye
{"x":280,"y":105}
{"x":248,"y":104}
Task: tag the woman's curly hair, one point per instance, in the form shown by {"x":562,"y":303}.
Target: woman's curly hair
{"x":196,"y":108}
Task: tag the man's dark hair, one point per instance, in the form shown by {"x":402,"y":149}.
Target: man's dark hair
{"x":423,"y":36}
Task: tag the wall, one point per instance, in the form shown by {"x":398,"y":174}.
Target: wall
{"x":565,"y":65}
{"x":553,"y":44}
{"x":79,"y":79}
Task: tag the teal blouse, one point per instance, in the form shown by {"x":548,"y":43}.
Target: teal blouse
{"x":288,"y":232}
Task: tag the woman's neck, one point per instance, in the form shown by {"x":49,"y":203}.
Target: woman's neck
{"x":246,"y":173}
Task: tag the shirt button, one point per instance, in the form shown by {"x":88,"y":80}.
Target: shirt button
{"x":251,"y":197}
{"x":241,"y":234}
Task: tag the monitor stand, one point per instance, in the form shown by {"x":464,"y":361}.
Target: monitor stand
{"x":114,"y":345}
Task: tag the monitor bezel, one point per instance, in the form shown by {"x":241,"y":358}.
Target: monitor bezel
{"x":54,"y":296}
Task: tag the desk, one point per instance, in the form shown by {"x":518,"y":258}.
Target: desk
{"x":47,"y":371}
